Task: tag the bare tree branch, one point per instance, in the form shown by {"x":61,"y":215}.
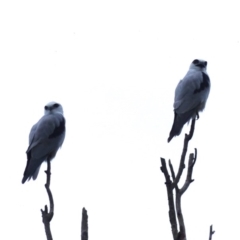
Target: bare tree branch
{"x":84,"y":228}
{"x":182,"y":231}
{"x":191,"y":163}
{"x":172,"y":173}
{"x":175,"y":210}
{"x":211,"y":232}
{"x":172,"y":215}
{"x":47,"y":216}
{"x":187,"y":138}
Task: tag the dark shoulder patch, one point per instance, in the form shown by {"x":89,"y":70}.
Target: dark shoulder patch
{"x":58,"y":130}
{"x":204,"y":84}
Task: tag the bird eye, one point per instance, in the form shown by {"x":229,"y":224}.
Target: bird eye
{"x":195,"y":61}
{"x":46,"y":107}
{"x":55,"y":105}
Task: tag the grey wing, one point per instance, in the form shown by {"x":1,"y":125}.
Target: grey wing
{"x":191,"y":92}
{"x":31,"y":134}
{"x":190,"y":97}
{"x":47,"y":135}
{"x":45,"y":139}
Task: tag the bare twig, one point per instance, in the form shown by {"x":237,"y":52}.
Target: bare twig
{"x":191,"y":163}
{"x":211,"y":232}
{"x":172,"y":215}
{"x":47,"y":216}
{"x":84,"y":228}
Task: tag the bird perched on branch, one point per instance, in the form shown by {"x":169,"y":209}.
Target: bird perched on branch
{"x":45,"y":138}
{"x":191,"y":95}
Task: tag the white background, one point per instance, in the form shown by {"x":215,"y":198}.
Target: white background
{"x":114,"y":66}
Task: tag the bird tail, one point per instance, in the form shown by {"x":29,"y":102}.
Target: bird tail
{"x":30,"y":174}
{"x":179,"y":121}
{"x":32,"y":169}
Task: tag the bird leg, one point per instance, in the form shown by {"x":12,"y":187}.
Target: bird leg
{"x":197,"y":116}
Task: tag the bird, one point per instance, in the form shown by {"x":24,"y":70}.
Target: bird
{"x":191,"y":95}
{"x":45,"y":138}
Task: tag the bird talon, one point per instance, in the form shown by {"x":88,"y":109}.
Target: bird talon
{"x":197,"y":116}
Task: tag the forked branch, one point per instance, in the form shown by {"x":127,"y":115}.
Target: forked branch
{"x":175,"y":211}
{"x":171,"y":212}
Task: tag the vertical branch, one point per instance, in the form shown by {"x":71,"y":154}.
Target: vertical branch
{"x":180,"y":192}
{"x":187,"y":138}
{"x":172,"y":214}
{"x":171,"y":185}
{"x":47,"y":216}
{"x":182,"y":230}
{"x":211,"y":232}
{"x":84,"y":228}
{"x":191,"y":162}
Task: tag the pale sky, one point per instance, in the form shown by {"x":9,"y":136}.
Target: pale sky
{"x":114,"y":66}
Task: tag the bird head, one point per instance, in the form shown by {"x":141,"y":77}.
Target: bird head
{"x":199,"y":64}
{"x":53,"y":107}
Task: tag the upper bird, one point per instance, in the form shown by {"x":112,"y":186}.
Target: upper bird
{"x":45,"y":138}
{"x":191,"y":95}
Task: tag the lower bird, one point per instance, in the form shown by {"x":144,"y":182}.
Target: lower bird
{"x":191,"y":95}
{"x":45,"y":138}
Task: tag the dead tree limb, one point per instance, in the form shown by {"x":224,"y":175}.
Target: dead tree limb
{"x":187,"y":138}
{"x":171,"y":212}
{"x":189,"y":180}
{"x":84,"y":228}
{"x":211,"y":232}
{"x":175,"y":210}
{"x":47,"y":216}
